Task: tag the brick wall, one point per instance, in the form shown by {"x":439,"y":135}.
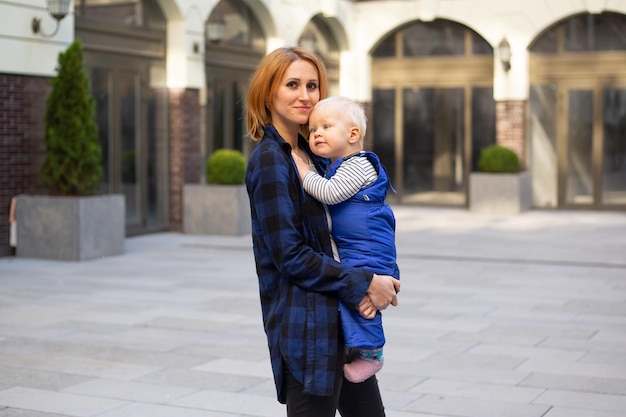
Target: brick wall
{"x":22,"y":148}
{"x":511,"y":127}
{"x":185,"y":155}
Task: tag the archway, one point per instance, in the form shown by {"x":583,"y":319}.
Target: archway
{"x":578,"y":113}
{"x":433,"y":108}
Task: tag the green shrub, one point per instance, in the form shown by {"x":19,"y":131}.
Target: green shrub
{"x":73,"y":164}
{"x":499,"y":159}
{"x":226,"y":166}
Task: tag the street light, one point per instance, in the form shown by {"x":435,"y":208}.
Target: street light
{"x":504,"y":53}
{"x":58,"y":10}
{"x":215,"y":28}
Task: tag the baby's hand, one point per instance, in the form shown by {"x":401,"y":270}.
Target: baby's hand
{"x":366,"y":308}
{"x":301,"y":164}
{"x":296,"y":157}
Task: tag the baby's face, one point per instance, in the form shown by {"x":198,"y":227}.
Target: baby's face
{"x":331,"y":135}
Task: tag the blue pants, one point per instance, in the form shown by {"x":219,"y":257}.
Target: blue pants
{"x":360,"y":332}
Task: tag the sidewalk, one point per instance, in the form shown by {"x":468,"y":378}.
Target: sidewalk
{"x":520,"y":316}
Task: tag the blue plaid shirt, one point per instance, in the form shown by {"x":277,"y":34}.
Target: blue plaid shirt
{"x":299,"y":281}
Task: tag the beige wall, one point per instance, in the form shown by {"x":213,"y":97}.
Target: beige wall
{"x":359,"y":26}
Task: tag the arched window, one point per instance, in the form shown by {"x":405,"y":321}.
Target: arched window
{"x":134,"y":13}
{"x":584,"y":33}
{"x":437,"y":38}
{"x":240,"y":26}
{"x":230,"y":61}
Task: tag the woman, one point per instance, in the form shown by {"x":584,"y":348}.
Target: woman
{"x":299,"y":281}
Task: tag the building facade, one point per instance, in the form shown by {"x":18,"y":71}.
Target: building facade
{"x":441,"y":79}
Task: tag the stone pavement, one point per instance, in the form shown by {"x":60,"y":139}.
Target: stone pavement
{"x":521,"y":316}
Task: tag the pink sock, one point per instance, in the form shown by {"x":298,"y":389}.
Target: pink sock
{"x":361,"y":369}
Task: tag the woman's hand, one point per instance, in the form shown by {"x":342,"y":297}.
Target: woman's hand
{"x":382,"y":291}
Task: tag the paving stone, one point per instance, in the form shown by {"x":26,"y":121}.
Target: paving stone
{"x":585,"y":401}
{"x":12,"y":377}
{"x":264,"y":388}
{"x":576,"y":383}
{"x":234,"y":403}
{"x":89,"y":367}
{"x":203,"y":379}
{"x":477,"y":391}
{"x":467,"y":407}
{"x":527,"y":352}
{"x":55,"y":402}
{"x":261,"y":369}
{"x":256,"y":350}
{"x":152,"y":410}
{"x":570,"y":412}
{"x":15,"y":412}
{"x":565,"y":367}
{"x":130,"y":391}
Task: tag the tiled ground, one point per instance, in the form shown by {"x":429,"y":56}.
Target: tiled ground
{"x":520,"y":316}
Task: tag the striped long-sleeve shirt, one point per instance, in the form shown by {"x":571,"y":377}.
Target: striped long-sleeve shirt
{"x":354,"y":173}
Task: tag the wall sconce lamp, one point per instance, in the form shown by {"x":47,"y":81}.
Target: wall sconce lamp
{"x":58,"y":10}
{"x":215,"y":28}
{"x":504,"y":53}
{"x":308,"y":41}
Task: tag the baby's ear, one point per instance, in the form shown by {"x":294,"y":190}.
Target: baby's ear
{"x":355,"y":135}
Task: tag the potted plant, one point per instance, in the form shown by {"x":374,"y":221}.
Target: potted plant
{"x":221,"y":206}
{"x":71,"y":222}
{"x":501,"y":186}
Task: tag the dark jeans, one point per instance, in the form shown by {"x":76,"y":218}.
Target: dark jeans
{"x":361,"y":400}
{"x":352,"y":400}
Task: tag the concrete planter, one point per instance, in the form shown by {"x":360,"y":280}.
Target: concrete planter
{"x":500,"y":193}
{"x":70,"y":228}
{"x":216,"y":209}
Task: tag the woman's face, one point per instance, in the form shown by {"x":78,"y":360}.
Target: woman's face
{"x":297,"y":94}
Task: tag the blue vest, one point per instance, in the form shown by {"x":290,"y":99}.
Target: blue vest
{"x":364,"y":225}
{"x":364,"y":230}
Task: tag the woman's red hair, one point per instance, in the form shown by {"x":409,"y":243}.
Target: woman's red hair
{"x":264,"y":84}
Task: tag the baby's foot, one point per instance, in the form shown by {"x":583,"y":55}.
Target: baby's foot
{"x":360,"y":369}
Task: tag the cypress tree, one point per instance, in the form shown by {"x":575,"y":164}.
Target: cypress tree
{"x":73,"y":164}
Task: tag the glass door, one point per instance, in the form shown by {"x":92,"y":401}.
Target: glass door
{"x":125,"y":44}
{"x":225,"y":110}
{"x":430,"y":146}
{"x":578,"y":176}
{"x":132,"y":126}
{"x":613,"y":172}
{"x":433,"y":141}
{"x":593,"y":156}
{"x":129,"y":125}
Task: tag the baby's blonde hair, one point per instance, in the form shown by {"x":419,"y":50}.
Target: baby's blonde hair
{"x":348,"y":108}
